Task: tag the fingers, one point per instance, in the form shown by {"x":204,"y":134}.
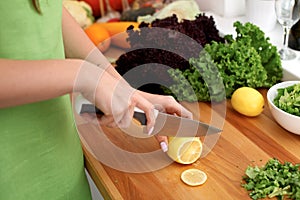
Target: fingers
{"x":107,"y":120}
{"x":149,"y":110}
{"x":163,"y":142}
{"x":173,"y":107}
{"x":168,"y":104}
{"x":121,"y":120}
{"x":183,"y":112}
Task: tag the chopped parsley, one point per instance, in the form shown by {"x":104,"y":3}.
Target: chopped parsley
{"x":275,"y":179}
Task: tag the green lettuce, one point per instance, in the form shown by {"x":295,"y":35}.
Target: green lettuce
{"x":247,"y":60}
{"x":288,"y":99}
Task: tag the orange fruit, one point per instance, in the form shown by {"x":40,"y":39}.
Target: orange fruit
{"x":117,"y":31}
{"x":99,"y":36}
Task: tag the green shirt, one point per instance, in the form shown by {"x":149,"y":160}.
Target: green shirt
{"x":40,"y":153}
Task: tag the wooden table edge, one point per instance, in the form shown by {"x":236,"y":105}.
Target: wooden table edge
{"x":101,"y":179}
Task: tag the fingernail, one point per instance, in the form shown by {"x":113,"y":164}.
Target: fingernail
{"x":156,"y":113}
{"x":150,"y":130}
{"x":164,"y":146}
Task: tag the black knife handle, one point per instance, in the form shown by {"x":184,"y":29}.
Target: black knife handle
{"x":90,"y":108}
{"x":141,"y":117}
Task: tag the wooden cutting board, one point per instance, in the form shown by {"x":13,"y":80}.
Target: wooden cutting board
{"x":244,"y":141}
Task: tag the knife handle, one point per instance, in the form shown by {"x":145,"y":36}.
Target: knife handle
{"x":90,"y":108}
{"x":141,"y":117}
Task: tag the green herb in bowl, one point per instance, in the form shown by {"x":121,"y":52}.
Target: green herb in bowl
{"x":288,"y":99}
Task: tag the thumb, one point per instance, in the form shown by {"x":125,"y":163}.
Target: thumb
{"x":163,"y":142}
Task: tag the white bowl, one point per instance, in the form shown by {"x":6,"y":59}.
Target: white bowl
{"x":287,"y":121}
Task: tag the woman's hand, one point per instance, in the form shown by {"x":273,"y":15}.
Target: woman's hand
{"x":114,"y":97}
{"x":168,"y":105}
{"x":80,"y":46}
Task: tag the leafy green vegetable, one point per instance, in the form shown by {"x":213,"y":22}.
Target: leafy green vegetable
{"x":201,"y":82}
{"x":239,"y":64}
{"x":273,"y":180}
{"x":248,"y":60}
{"x":270,"y":59}
{"x":288,"y":99}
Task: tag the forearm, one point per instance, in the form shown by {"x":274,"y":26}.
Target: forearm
{"x":24,"y":82}
{"x":85,"y":49}
{"x":78,"y":45}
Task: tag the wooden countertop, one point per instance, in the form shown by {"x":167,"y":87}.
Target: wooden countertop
{"x":244,"y":141}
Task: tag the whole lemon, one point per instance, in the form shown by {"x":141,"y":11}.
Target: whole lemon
{"x":247,"y":101}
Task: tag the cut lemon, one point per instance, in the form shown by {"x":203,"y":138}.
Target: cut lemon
{"x":193,"y":177}
{"x":184,"y":150}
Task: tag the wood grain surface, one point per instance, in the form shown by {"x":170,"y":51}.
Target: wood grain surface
{"x":244,"y":141}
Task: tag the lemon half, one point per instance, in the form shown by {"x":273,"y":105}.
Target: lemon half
{"x":184,"y":150}
{"x":193,"y":177}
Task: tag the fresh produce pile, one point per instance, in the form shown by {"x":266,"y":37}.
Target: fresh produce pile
{"x":211,"y":75}
{"x":179,"y":51}
{"x":104,"y":34}
{"x":275,"y":179}
{"x":288,"y":99}
{"x":169,"y":43}
{"x":248,"y":60}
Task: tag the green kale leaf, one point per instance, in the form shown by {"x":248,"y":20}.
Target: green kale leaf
{"x":270,"y":59}
{"x":247,"y":60}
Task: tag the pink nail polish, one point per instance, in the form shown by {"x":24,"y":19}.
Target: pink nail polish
{"x":164,"y":146}
{"x":150,"y":131}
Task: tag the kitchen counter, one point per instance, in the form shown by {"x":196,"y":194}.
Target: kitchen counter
{"x":244,"y":141}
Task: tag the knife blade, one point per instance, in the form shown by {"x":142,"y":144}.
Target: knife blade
{"x":166,"y":124}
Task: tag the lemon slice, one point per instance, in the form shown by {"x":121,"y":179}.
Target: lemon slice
{"x":184,"y":150}
{"x":193,"y":177}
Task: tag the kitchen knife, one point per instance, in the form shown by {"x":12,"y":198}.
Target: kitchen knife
{"x":166,"y":124}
